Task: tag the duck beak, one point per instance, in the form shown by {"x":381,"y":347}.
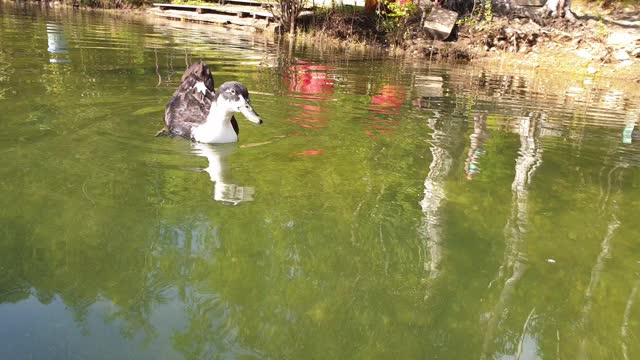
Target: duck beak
{"x":250,"y":114}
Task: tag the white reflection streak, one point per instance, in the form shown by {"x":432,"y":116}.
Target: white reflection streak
{"x":222,"y":191}
{"x":515,"y":230}
{"x":57,"y":44}
{"x":624,"y":329}
{"x":434,"y":195}
{"x":605,"y":252}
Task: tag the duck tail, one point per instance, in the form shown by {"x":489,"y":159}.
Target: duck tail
{"x":198,"y":72}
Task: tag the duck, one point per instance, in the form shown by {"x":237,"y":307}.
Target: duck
{"x":199,"y":113}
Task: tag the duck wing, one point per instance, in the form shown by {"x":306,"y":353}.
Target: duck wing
{"x":190,"y":103}
{"x":187,"y":110}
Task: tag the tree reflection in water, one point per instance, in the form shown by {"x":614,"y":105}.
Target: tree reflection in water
{"x":514,"y":263}
{"x":434,"y":195}
{"x":446,"y":136}
{"x":607,"y":204}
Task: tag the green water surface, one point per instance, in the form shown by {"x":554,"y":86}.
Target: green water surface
{"x":385,"y":210}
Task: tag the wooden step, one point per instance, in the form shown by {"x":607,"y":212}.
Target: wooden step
{"x":220,"y":19}
{"x":238,"y":10}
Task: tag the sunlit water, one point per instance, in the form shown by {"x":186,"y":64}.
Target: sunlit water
{"x":384,"y":210}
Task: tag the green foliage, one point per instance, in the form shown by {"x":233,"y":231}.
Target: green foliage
{"x":481,"y":15}
{"x":400,"y":10}
{"x":394,"y":17}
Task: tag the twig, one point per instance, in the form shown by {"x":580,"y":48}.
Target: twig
{"x":157,"y":71}
{"x":84,"y":190}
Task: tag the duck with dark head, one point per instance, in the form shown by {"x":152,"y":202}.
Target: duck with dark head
{"x":198,"y":112}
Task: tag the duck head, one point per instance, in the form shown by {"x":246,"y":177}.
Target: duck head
{"x":232,"y":96}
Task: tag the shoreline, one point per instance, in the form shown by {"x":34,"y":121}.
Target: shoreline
{"x":570,"y":51}
{"x":569,"y":48}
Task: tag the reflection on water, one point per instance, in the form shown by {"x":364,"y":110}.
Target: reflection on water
{"x":404,"y":211}
{"x":633,"y":116}
{"x":476,"y":148}
{"x":624,"y":329}
{"x":223,"y":191}
{"x":311,"y":83}
{"x":386,"y":105}
{"x":434,"y":196}
{"x":514,"y":264}
{"x":58,"y":46}
{"x":607,"y":205}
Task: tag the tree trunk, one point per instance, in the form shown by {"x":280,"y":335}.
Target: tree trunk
{"x":370,"y":6}
{"x":558,"y":8}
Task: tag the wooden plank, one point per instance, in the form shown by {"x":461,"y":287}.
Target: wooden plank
{"x":215,"y":8}
{"x":249,"y":2}
{"x":259,"y":24}
{"x":222,"y":2}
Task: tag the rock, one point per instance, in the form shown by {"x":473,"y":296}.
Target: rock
{"x":591,"y":70}
{"x":625,"y":64}
{"x":621,"y":55}
{"x":584,"y":54}
{"x":440,"y":22}
{"x":620,"y":38}
{"x":636,"y":52}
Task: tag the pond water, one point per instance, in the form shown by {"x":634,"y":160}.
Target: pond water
{"x":385,"y":209}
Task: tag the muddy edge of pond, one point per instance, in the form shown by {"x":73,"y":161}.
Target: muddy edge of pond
{"x":602,"y":43}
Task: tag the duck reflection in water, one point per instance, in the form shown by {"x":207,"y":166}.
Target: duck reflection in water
{"x":223,"y":191}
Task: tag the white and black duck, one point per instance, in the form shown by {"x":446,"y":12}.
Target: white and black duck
{"x":199,"y":113}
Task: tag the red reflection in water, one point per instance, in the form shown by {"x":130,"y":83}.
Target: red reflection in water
{"x":389,"y":99}
{"x":306,"y":78}
{"x":309,"y":82}
{"x":388,"y":103}
{"x":310,"y":153}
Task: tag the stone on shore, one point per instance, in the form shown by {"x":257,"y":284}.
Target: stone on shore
{"x":440,"y":22}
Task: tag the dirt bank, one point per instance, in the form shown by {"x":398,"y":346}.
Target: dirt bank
{"x":600,"y":43}
{"x":605,"y":43}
